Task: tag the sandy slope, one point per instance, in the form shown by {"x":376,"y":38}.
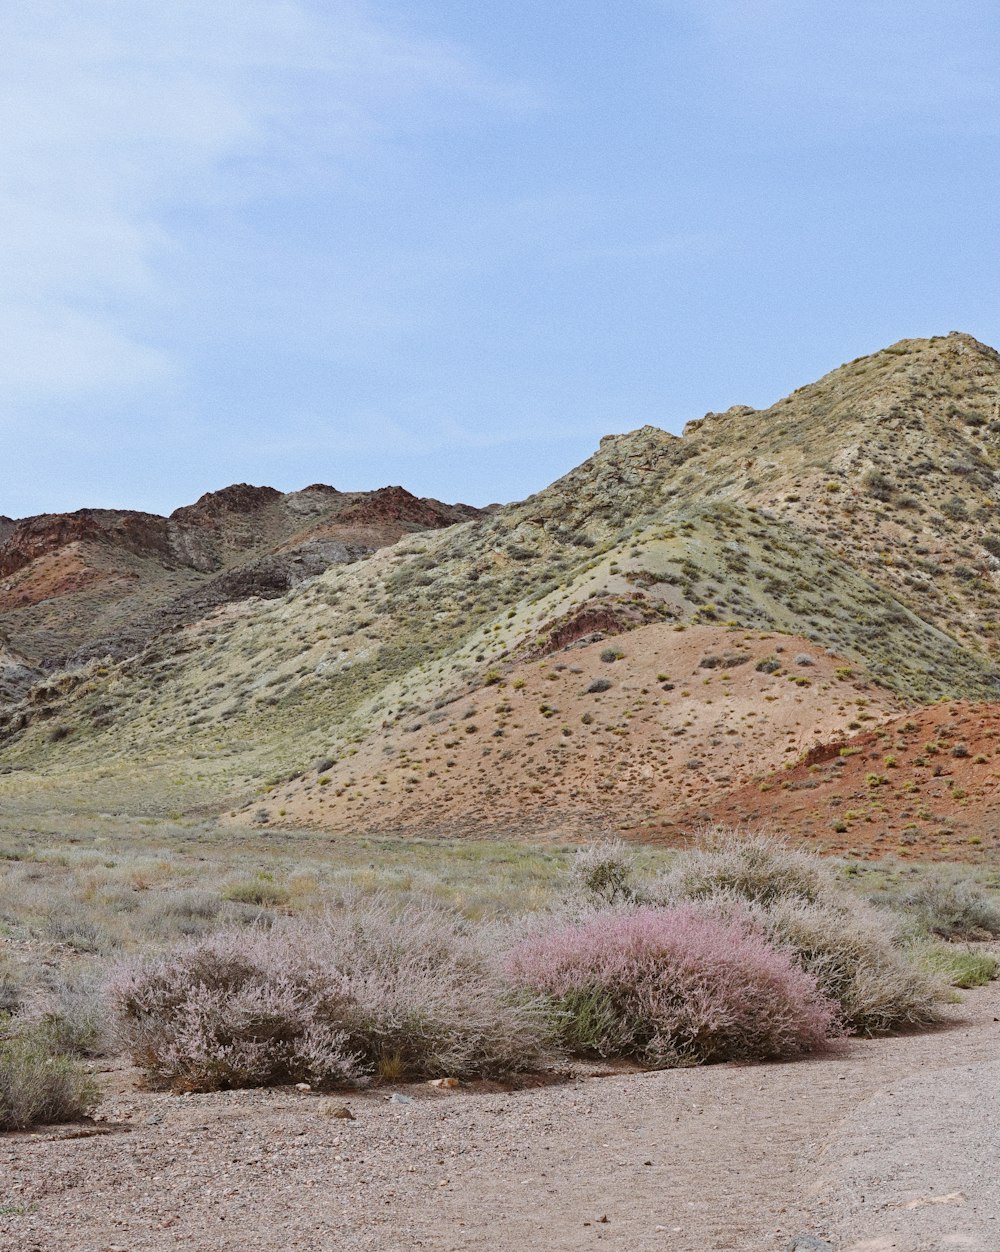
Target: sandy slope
{"x":725,"y":1157}
{"x":539,"y":754}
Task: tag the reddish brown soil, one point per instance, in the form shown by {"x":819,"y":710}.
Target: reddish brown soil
{"x":923,"y":786}
{"x":539,"y":755}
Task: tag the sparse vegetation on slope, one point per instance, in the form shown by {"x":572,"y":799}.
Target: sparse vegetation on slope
{"x":798,"y":520}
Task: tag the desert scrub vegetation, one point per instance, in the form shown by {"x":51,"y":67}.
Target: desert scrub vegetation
{"x":39,"y":1082}
{"x":960,"y":964}
{"x":674,"y":986}
{"x":952,"y":909}
{"x":401,"y":959}
{"x":858,"y":955}
{"x":604,"y":872}
{"x":370,"y":990}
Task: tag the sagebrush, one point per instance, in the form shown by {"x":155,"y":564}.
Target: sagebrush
{"x":366,"y":990}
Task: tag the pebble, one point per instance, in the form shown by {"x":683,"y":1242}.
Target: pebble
{"x":338,"y":1110}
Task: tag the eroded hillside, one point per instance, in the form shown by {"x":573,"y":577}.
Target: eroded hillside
{"x":856,"y":517}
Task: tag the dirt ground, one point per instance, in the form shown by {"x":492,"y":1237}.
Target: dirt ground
{"x":882,"y":1146}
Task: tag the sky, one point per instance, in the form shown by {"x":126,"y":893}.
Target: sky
{"x":450,"y":244}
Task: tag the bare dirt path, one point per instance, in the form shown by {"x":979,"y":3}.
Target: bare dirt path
{"x":885,"y":1146}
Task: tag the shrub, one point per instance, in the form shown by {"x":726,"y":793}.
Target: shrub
{"x":72,"y":928}
{"x":876,"y":484}
{"x":10,"y":993}
{"x":365,"y":991}
{"x":76,"y":1018}
{"x":37,"y":1086}
{"x":857,"y":956}
{"x":598,"y":685}
{"x":257,"y":890}
{"x":604,"y":872}
{"x":611,"y":654}
{"x":181,"y":912}
{"x":955,"y":509}
{"x":962,"y":966}
{"x":954,"y":909}
{"x":768,"y":665}
{"x":672,"y":987}
{"x":856,"y":952}
{"x":750,"y":866}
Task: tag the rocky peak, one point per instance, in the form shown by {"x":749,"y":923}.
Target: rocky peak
{"x":238,"y":498}
{"x":35,"y":537}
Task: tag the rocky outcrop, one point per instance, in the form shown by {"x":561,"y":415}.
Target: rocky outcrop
{"x":141,"y":534}
{"x":102,"y":581}
{"x":16,"y":675}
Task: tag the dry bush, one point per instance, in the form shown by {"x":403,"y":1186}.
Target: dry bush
{"x":673,"y":987}
{"x":751,"y":866}
{"x":953,"y":909}
{"x":72,"y":1016}
{"x":857,"y":955}
{"x":261,"y":889}
{"x":367,"y":990}
{"x":603,"y":872}
{"x":74,"y":926}
{"x":38,"y":1086}
{"x":172,"y":913}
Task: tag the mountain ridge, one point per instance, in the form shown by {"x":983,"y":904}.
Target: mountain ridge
{"x":857,"y":517}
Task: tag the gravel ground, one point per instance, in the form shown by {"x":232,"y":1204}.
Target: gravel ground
{"x":884,"y":1144}
{"x":916,"y":1166}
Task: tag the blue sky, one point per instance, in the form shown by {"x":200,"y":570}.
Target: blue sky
{"x":451,"y":244}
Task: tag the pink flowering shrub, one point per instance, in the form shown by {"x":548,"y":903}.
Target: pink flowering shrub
{"x":674,"y":986}
{"x":368,"y":990}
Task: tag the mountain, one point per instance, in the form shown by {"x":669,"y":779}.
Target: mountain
{"x":101,"y":582}
{"x":776,"y":580}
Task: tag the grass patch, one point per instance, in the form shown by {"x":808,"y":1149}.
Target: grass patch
{"x":961,"y":966}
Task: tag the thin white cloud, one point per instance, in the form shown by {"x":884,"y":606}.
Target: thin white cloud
{"x":114,"y":115}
